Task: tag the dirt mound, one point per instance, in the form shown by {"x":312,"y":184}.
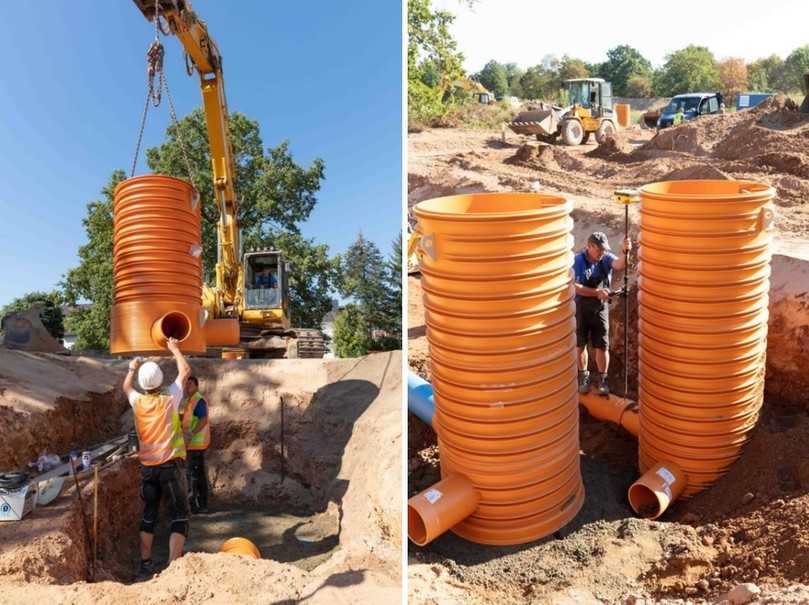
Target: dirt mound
{"x":698,"y":171}
{"x":614,"y":148}
{"x":545,"y":157}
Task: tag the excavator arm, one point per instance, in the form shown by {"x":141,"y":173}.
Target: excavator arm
{"x":203,"y":54}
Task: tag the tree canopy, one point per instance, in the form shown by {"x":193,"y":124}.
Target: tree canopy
{"x":622,"y":64}
{"x":733,"y":75}
{"x":494,"y":76}
{"x":375,"y":286}
{"x":795,"y":65}
{"x":690,"y":69}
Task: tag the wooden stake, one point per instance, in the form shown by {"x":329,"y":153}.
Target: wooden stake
{"x":95,"y":518}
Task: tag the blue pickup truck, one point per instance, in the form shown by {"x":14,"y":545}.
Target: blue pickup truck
{"x":693,"y":104}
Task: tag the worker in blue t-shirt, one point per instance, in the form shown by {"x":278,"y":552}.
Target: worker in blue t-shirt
{"x":593,"y":268}
{"x":265,"y":279}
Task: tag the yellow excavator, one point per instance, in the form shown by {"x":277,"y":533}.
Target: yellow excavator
{"x":254,"y":286}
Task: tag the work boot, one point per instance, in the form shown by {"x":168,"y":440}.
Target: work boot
{"x":584,"y":382}
{"x":604,"y":386}
{"x":146,"y":571}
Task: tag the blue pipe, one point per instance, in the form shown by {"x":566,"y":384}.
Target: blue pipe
{"x":420,"y":399}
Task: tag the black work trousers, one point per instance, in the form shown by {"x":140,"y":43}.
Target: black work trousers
{"x":197,"y":480}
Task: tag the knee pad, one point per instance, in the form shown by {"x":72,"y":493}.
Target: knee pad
{"x":147,"y":526}
{"x":179,"y":527}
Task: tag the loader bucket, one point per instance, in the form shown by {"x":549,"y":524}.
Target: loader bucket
{"x":539,"y":122}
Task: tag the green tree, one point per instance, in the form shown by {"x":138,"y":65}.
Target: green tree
{"x":514,"y":75}
{"x":92,"y":280}
{"x":639,"y":86}
{"x":766,"y":74}
{"x":351,"y":333}
{"x":275,"y":195}
{"x":623,"y":62}
{"x":571,"y":68}
{"x":363,"y":278}
{"x":433,"y":60}
{"x":689,"y":69}
{"x":539,"y":83}
{"x":795,"y":65}
{"x":494,"y":77}
{"x":393,"y":300}
{"x":51,"y":313}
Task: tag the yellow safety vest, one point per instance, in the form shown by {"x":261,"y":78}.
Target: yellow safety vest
{"x":159,"y":429}
{"x":196,"y":440}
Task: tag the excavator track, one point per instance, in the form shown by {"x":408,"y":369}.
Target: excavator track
{"x":308,"y":343}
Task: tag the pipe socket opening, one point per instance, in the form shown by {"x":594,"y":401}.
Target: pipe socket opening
{"x":172,"y":325}
{"x":416,"y":530}
{"x":645,"y":502}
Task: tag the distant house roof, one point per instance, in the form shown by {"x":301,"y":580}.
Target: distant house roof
{"x":471,"y":86}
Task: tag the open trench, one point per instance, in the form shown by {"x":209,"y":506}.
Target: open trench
{"x":746,"y":528}
{"x":273,"y":467}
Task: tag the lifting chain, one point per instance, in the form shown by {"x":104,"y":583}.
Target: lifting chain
{"x":154,"y":95}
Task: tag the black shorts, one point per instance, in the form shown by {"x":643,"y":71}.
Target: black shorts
{"x":592,"y":324}
{"x":164,"y":480}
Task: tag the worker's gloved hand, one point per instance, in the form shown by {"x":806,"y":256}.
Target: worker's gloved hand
{"x":173,"y":345}
{"x":627,"y":244}
{"x":135,"y":363}
{"x":603,"y":294}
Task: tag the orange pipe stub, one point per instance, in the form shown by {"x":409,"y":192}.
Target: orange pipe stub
{"x":221,"y":332}
{"x":241,"y":546}
{"x":614,"y":409}
{"x":171,"y":325}
{"x":440,"y":507}
{"x":661,"y":485}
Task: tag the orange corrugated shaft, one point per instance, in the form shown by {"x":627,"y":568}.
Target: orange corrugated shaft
{"x":498,"y":298}
{"x":703,"y":297}
{"x":622,"y":113}
{"x":157,"y":271}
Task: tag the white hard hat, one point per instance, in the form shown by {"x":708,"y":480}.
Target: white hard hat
{"x":150,"y":376}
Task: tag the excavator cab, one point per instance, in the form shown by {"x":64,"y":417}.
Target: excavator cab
{"x":265,"y":280}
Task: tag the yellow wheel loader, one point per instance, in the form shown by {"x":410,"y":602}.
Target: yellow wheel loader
{"x":589,"y":111}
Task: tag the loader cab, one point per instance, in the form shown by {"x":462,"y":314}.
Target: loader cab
{"x":265,"y":280}
{"x":591,"y":93}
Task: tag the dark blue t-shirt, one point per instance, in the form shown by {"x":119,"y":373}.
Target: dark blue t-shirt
{"x":201,"y":409}
{"x":593,"y":275}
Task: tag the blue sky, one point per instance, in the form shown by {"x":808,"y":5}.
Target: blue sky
{"x":325,"y":75}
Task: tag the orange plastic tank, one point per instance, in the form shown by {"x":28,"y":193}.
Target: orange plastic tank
{"x":703,"y":297}
{"x":157,"y":269}
{"x":500,"y":315}
{"x":241,"y":546}
{"x":622,"y":114}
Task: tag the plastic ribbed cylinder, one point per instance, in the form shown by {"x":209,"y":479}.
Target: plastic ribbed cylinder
{"x":622,"y":113}
{"x":703,"y":296}
{"x":500,"y":316}
{"x":157,"y":269}
{"x":240,"y":546}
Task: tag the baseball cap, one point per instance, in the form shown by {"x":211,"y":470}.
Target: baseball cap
{"x":150,"y":376}
{"x":599,"y":238}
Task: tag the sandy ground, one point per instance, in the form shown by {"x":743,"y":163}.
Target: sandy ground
{"x":321,"y":498}
{"x":748,"y":527}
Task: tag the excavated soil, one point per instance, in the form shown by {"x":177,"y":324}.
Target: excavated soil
{"x":750,"y":526}
{"x":320,"y":497}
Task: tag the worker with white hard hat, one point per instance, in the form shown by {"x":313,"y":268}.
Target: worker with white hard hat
{"x":162,"y":452}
